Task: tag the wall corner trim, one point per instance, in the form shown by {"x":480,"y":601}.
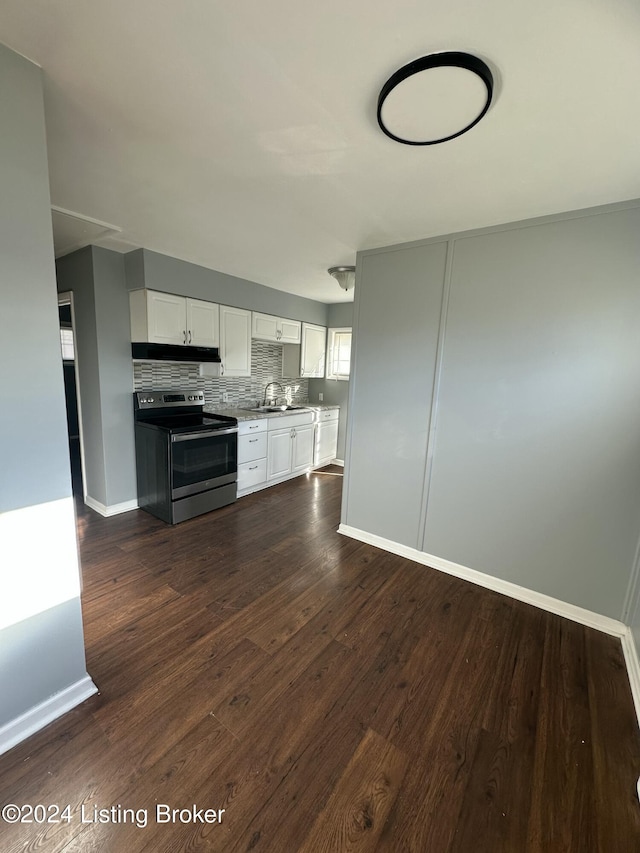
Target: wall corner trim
{"x":528,"y":596}
{"x":36,"y":718}
{"x":114,"y":509}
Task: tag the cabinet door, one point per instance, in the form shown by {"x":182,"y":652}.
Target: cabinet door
{"x":166,"y":318}
{"x":290,"y":331}
{"x":265,"y":327}
{"x":235,"y":341}
{"x":302,"y":448}
{"x":313,"y":350}
{"x":203,"y":323}
{"x":326,"y":442}
{"x":279,"y":453}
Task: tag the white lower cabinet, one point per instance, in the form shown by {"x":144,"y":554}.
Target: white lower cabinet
{"x":302,"y":448}
{"x":326,"y":438}
{"x":290,"y":449}
{"x":251,"y":474}
{"x":274,"y":449}
{"x":279,"y":454}
{"x":252,"y":455}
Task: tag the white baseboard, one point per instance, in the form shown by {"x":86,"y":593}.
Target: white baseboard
{"x":528,"y":596}
{"x":338,"y":462}
{"x":114,"y":509}
{"x":633,"y":670}
{"x":46,"y":712}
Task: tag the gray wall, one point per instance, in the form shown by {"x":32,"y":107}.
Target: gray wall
{"x":41,"y":651}
{"x":334,"y":391}
{"x":532,"y":471}
{"x":74,"y":272}
{"x":105,"y":372}
{"x":396,"y":319}
{"x":170,"y":275}
{"x":35,"y":464}
{"x":116,"y":375}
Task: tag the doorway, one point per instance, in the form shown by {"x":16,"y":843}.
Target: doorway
{"x":71,"y":392}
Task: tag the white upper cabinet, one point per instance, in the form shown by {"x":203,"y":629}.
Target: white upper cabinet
{"x":164,"y":318}
{"x":290,"y":331}
{"x":314,"y":350}
{"x":235,"y":341}
{"x":203,"y":323}
{"x":159,"y":318}
{"x":266,"y":327}
{"x":308,"y":359}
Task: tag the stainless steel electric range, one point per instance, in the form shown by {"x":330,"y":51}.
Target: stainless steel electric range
{"x":186,"y":460}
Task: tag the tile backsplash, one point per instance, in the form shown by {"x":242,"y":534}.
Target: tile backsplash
{"x":266,"y":366}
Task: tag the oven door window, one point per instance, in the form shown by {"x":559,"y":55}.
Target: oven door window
{"x":203,"y":463}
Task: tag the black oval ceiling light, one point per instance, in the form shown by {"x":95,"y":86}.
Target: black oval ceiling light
{"x":435,"y":98}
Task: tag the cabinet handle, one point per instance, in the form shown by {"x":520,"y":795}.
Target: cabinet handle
{"x":253,"y":427}
{"x":251,"y":440}
{"x":189,"y":335}
{"x":252,"y":467}
{"x":184,"y":337}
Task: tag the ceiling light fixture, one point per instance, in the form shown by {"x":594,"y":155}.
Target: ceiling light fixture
{"x":345,"y":276}
{"x":435,"y":98}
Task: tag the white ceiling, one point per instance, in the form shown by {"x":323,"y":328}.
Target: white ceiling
{"x":242,"y":136}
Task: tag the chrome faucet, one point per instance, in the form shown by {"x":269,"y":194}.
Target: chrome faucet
{"x":274,"y":399}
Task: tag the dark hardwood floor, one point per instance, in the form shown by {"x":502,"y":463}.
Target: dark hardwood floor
{"x":327,"y":695}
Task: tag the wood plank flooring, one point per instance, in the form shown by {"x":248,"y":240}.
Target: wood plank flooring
{"x":328,"y":696}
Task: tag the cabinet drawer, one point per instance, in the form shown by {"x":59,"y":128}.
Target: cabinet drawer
{"x":327,"y":415}
{"x":252,"y":427}
{"x":252,"y":474}
{"x":252,"y":447}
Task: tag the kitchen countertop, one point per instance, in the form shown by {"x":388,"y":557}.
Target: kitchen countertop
{"x":244,"y":415}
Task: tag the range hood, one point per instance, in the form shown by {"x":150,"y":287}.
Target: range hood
{"x":175,"y":354}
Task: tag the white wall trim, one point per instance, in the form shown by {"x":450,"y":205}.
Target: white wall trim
{"x":114,"y":509}
{"x":338,"y":462}
{"x":528,"y":596}
{"x":633,"y":670}
{"x":46,"y":712}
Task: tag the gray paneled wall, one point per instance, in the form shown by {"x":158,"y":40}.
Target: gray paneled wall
{"x":535,"y":455}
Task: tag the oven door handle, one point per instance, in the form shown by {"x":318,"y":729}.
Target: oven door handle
{"x":211,"y":433}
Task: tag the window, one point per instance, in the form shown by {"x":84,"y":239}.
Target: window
{"x":339,"y":354}
{"x":66,"y":340}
